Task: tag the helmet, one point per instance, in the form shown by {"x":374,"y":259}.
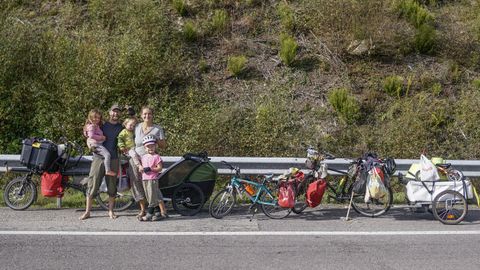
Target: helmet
{"x":149,"y":139}
{"x":390,"y":166}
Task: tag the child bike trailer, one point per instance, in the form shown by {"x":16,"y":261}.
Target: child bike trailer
{"x":189,"y":183}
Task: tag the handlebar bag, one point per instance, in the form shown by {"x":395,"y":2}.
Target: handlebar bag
{"x":286,"y":195}
{"x":51,"y":184}
{"x":315,"y":192}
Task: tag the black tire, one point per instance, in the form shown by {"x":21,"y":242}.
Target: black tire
{"x":301,"y":196}
{"x":188,"y":199}
{"x":374,"y":207}
{"x":449,"y":207}
{"x":222,"y":203}
{"x":20,"y":193}
{"x":272,"y":209}
{"x":123,"y":200}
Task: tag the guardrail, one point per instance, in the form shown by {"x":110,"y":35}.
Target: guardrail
{"x":256,"y":165}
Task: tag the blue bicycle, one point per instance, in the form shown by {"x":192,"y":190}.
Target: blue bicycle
{"x":264,"y":194}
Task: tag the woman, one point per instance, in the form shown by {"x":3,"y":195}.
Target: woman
{"x":147,"y":127}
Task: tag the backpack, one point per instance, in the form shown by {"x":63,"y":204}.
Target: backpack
{"x":286,"y":195}
{"x":51,"y":184}
{"x":315,"y":192}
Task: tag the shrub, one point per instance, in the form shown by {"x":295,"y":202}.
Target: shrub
{"x":236,"y":64}
{"x":424,"y":41}
{"x":436,"y":88}
{"x":288,"y":49}
{"x":190,"y":32}
{"x":180,"y":6}
{"x":476,"y":83}
{"x":415,"y":13}
{"x":286,"y":14}
{"x":393,"y":85}
{"x":219,"y":20}
{"x":344,"y":104}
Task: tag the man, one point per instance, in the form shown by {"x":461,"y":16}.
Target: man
{"x":110,"y":129}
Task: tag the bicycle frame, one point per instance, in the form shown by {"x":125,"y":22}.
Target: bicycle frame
{"x":238,"y":183}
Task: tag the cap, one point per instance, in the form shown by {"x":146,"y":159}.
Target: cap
{"x":115,"y":107}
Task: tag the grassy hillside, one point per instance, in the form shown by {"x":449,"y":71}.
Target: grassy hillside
{"x":249,"y":77}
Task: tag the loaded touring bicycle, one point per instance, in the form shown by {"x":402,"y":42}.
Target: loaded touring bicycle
{"x":57,"y":167}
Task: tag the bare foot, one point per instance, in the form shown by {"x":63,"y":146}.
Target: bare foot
{"x":84,"y":216}
{"x":112,"y":215}
{"x":140,"y":215}
{"x":111,"y":173}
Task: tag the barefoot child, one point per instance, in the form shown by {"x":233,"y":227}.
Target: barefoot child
{"x":151,"y":167}
{"x":126,"y":140}
{"x":95,"y":138}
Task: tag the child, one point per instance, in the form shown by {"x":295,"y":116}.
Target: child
{"x":95,"y":138}
{"x":126,"y":141}
{"x":151,"y":167}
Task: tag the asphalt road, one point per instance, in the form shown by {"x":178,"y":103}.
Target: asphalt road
{"x":319,"y":239}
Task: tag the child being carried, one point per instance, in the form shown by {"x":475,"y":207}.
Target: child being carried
{"x":95,"y":138}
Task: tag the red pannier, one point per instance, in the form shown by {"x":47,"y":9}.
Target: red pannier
{"x":315,"y":192}
{"x":286,"y":195}
{"x":52,"y":185}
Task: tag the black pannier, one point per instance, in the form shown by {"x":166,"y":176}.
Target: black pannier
{"x":39,"y":154}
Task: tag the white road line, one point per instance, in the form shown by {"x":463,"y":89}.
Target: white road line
{"x":242,"y":233}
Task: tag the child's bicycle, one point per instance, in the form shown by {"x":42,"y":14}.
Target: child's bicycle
{"x":264,"y":194}
{"x":21,"y":192}
{"x":341,"y":191}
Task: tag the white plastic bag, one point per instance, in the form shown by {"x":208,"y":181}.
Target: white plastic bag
{"x":103,"y":186}
{"x":428,"y":171}
{"x":376,"y":188}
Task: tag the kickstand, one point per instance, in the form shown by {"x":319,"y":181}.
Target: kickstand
{"x":349,"y":206}
{"x":255,"y":209}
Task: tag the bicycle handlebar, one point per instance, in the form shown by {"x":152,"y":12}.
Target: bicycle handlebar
{"x":231,"y":167}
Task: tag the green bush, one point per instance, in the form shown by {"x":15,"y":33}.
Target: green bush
{"x":190,"y":32}
{"x":436,"y":89}
{"x":219,"y":20}
{"x":286,"y":14}
{"x":424,"y":40}
{"x":180,"y":6}
{"x":288,"y":49}
{"x":393,"y":85}
{"x":344,"y":104}
{"x":476,"y":83}
{"x":236,"y":64}
{"x":415,"y":13}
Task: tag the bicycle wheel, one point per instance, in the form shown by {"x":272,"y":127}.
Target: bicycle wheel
{"x":373,"y":207}
{"x":188,"y":199}
{"x":271,"y":207}
{"x":449,"y":207}
{"x":301,"y":196}
{"x":123,"y":200}
{"x":20,"y":193}
{"x":222,"y":203}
